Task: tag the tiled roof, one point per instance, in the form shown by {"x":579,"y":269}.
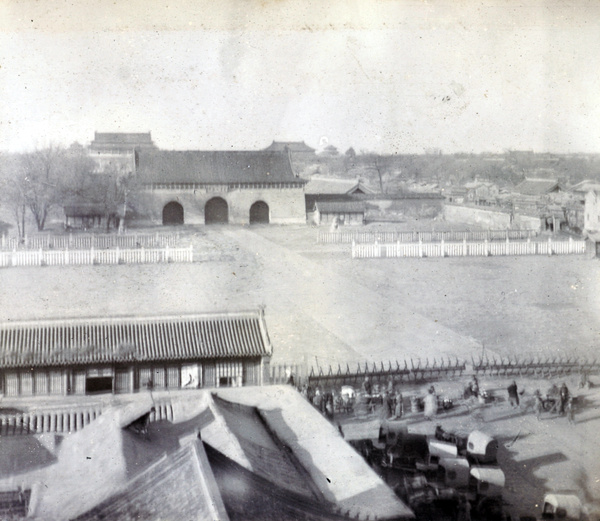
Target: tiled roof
{"x":261,"y":498}
{"x":586,"y":186}
{"x":215,"y":167}
{"x":292,"y":146}
{"x":535,"y":186}
{"x":179,"y":486}
{"x":264,"y":451}
{"x":341,"y":206}
{"x":126,"y":339}
{"x":331,"y":185}
{"x":121,"y":138}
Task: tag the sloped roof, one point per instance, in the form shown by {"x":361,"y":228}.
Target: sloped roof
{"x":586,"y":186}
{"x":119,"y":339}
{"x":262,"y":498}
{"x":181,"y":484}
{"x":266,"y":454}
{"x":292,"y":146}
{"x":536,"y":186}
{"x":354,"y":487}
{"x":215,"y":167}
{"x":334,"y":186}
{"x":340,"y":206}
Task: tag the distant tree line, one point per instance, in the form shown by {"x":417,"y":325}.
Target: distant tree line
{"x":390,"y":173}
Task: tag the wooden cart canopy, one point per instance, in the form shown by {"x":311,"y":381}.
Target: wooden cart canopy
{"x":126,"y":339}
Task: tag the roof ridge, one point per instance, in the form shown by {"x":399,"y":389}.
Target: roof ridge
{"x":119,"y":319}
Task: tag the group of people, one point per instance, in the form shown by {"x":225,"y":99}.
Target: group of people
{"x":561,"y":399}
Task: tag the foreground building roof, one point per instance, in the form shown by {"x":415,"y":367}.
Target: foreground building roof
{"x":125,"y":339}
{"x":266,"y":454}
{"x":181,"y":483}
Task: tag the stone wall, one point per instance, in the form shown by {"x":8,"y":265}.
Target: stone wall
{"x":484,"y":217}
{"x":286,"y":205}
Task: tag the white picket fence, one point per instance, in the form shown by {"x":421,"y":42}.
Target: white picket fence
{"x":347,"y":237}
{"x":94,"y":256}
{"x":468,"y":249}
{"x":86,"y":241}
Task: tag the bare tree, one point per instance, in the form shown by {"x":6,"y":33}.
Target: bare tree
{"x":11,"y":191}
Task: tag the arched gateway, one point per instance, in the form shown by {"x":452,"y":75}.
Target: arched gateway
{"x":216,"y":211}
{"x":172,"y":214}
{"x":259,"y":213}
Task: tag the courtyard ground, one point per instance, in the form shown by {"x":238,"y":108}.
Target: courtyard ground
{"x":324,"y":308}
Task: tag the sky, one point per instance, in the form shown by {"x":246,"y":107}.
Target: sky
{"x":386,"y":76}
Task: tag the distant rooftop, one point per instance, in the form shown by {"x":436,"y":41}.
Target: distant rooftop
{"x":536,"y":186}
{"x":121,"y":140}
{"x":335,"y":186}
{"x":292,"y":146}
{"x":215,"y":167}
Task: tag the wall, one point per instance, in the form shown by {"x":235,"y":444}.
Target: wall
{"x":592,"y":212}
{"x":129,"y":378}
{"x":421,"y":207}
{"x":286,"y":205}
{"x":527,"y":222}
{"x":492,"y":219}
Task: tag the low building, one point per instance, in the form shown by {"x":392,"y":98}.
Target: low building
{"x":327,"y":189}
{"x":339,"y":212}
{"x":220,"y":187}
{"x":87,"y":216}
{"x":126,"y":354}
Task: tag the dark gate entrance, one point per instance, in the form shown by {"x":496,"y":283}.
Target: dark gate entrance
{"x":102,"y":384}
{"x":216,"y":211}
{"x":172,"y":214}
{"x":259,"y":213}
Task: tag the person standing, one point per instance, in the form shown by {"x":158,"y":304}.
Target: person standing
{"x":538,"y":404}
{"x":563,"y":396}
{"x":570,"y":410}
{"x":513,"y":394}
{"x":430,"y":403}
{"x":399,"y":405}
{"x":387,"y":407}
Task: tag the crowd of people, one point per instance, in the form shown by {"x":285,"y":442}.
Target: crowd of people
{"x":388,"y":401}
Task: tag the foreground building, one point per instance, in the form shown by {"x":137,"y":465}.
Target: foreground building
{"x":258,"y":453}
{"x":127,"y":354}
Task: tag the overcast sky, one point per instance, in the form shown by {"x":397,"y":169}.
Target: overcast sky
{"x":385,"y":76}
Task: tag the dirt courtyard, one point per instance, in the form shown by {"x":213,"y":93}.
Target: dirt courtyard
{"x":324,"y":308}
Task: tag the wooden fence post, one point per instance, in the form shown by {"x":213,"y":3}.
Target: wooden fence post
{"x":549,"y":246}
